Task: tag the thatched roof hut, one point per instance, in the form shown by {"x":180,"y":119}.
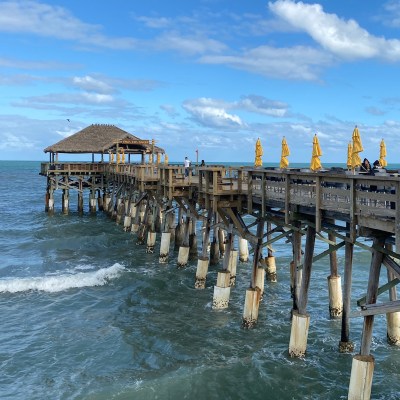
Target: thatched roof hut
{"x":101,"y":139}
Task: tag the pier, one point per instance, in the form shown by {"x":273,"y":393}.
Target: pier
{"x":242,"y":212}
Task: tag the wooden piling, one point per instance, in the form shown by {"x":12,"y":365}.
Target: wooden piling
{"x":243,"y":250}
{"x":222,"y":290}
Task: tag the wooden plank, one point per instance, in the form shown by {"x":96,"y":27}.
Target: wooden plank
{"x":380,"y":308}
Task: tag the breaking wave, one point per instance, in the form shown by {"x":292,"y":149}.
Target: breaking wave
{"x":59,"y":283}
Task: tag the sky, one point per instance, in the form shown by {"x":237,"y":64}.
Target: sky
{"x":205,"y":75}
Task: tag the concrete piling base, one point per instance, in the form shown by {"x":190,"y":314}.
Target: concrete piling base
{"x":127,"y":223}
{"x":260,"y":281}
{"x":362,"y":370}
{"x":299,"y":334}
{"x":251,"y":306}
{"x":270,"y":269}
{"x":222,"y":290}
{"x":201,"y":273}
{"x":346,"y":347}
{"x":233,"y":266}
{"x":151,"y":241}
{"x":164,"y":247}
{"x":335,"y":296}
{"x":183,"y":256}
{"x":243,"y":250}
{"x":393,"y":328}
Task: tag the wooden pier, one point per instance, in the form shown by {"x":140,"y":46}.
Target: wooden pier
{"x":334,"y":206}
{"x":256,"y":206}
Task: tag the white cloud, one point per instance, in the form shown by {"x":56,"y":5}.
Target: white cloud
{"x":11,"y":141}
{"x":155,"y":22}
{"x":91,"y":84}
{"x":343,"y":38}
{"x":54,"y":21}
{"x":262,"y":105}
{"x":186,"y":44}
{"x":295,"y":63}
{"x":210,"y":112}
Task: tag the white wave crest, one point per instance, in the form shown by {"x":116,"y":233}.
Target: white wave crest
{"x":58,"y":283}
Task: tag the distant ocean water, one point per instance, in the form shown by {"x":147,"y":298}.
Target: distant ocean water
{"x":88,"y":314}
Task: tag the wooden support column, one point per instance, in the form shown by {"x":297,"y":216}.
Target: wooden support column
{"x":214,"y":250}
{"x":253,"y":294}
{"x":345,"y":345}
{"x":51,"y":200}
{"x":297,"y":273}
{"x":65,"y":201}
{"x":300,"y":320}
{"x":392,"y":319}
{"x":183,"y":255}
{"x":193,"y":252}
{"x":92,"y":201}
{"x":100,"y":203}
{"x":270,"y":265}
{"x":362,"y":367}
{"x":203,"y":261}
{"x":142,"y":231}
{"x":179,"y":230}
{"x":334,"y":283}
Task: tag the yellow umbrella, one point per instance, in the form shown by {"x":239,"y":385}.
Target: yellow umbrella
{"x":316,"y":153}
{"x":158,"y":158}
{"x":349,"y":155}
{"x":357,"y":148}
{"x":123,"y":156}
{"x":285,"y":153}
{"x":382,"y":154}
{"x":166,"y":160}
{"x":259,"y":152}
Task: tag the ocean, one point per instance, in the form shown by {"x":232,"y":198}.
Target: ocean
{"x":88,"y":314}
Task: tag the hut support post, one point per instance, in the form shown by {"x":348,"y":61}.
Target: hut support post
{"x":92,"y":201}
{"x":151,"y":234}
{"x":179,"y":230}
{"x":214,"y":249}
{"x":145,"y":209}
{"x":222,"y":290}
{"x":300,"y":320}
{"x":362,"y":367}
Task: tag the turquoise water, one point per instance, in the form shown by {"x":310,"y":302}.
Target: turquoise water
{"x":88,"y":314}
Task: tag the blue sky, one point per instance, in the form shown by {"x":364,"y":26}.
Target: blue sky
{"x":211,"y":75}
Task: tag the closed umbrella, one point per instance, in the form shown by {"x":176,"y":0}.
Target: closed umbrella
{"x":382,"y":154}
{"x":166,"y":160}
{"x":316,"y":153}
{"x":349,"y":155}
{"x":285,"y":153}
{"x":259,"y":152}
{"x":158,"y":158}
{"x":357,"y":148}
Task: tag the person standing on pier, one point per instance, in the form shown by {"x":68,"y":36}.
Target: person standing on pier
{"x":187,"y":166}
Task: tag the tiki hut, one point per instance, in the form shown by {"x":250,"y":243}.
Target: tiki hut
{"x":103,"y":139}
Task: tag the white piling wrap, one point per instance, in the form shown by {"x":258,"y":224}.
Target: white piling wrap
{"x":260,"y":280}
{"x":221,"y":297}
{"x":183,"y":256}
{"x":251,"y":306}
{"x":393,"y":328}
{"x":243,"y":250}
{"x":335,"y":296}
{"x":135,"y":228}
{"x":233,"y":257}
{"x":127,"y":223}
{"x":107,"y":201}
{"x":51,"y":204}
{"x":299,"y":334}
{"x":164,"y":247}
{"x":362,"y":370}
{"x":133,"y":210}
{"x":201,"y":273}
{"x":66,"y":205}
{"x":93,"y":204}
{"x":151,"y":241}
{"x":270,"y":268}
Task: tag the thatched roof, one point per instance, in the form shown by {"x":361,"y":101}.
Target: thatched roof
{"x":99,"y":138}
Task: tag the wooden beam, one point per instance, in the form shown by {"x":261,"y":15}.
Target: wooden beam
{"x":392,"y":265}
{"x":326,"y":252}
{"x":384,"y":288}
{"x":378,"y":308}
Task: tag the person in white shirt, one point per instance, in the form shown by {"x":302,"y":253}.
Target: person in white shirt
{"x":187,"y":165}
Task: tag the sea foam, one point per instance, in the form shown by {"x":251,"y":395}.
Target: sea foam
{"x":58,"y":283}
